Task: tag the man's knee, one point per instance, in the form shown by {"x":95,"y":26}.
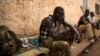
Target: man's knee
{"x":46,"y":43}
{"x":89,"y":25}
{"x":60,"y":48}
{"x":60,"y":43}
{"x":82,"y":27}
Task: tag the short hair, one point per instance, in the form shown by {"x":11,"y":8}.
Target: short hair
{"x":92,"y":14}
{"x":58,"y":10}
{"x":3,"y":27}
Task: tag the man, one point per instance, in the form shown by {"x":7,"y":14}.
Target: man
{"x":85,"y":25}
{"x":9,"y":43}
{"x":92,"y":19}
{"x":95,"y":25}
{"x":85,"y":18}
{"x":50,"y":25}
{"x":50,"y":33}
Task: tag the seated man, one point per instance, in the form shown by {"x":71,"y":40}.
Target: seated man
{"x":9,"y":43}
{"x":49,"y":27}
{"x":85,"y":24}
{"x":95,"y":22}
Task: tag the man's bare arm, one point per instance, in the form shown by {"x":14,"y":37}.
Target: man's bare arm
{"x":72,"y":28}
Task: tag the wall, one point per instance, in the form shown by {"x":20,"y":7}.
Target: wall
{"x":24,"y":16}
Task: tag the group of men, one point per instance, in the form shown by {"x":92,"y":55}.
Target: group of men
{"x":88,"y":25}
{"x":51,"y":35}
{"x":50,"y":32}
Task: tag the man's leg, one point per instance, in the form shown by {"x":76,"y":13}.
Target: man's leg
{"x":87,"y":29}
{"x":46,"y":43}
{"x":83,"y":31}
{"x":60,"y":48}
{"x":96,"y":33}
{"x":90,"y":31}
{"x":66,"y":35}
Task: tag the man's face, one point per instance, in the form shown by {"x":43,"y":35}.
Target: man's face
{"x":87,"y":13}
{"x":92,"y":14}
{"x":61,"y":17}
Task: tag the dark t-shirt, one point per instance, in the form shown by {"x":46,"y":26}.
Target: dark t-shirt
{"x":82,"y":20}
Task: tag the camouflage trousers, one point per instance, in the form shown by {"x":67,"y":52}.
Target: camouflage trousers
{"x":46,"y":43}
{"x":67,"y":36}
{"x":59,"y":46}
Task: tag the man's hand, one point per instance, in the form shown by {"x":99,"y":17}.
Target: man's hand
{"x":78,"y":37}
{"x":86,"y":23}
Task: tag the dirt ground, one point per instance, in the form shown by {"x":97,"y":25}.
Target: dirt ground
{"x":94,"y":50}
